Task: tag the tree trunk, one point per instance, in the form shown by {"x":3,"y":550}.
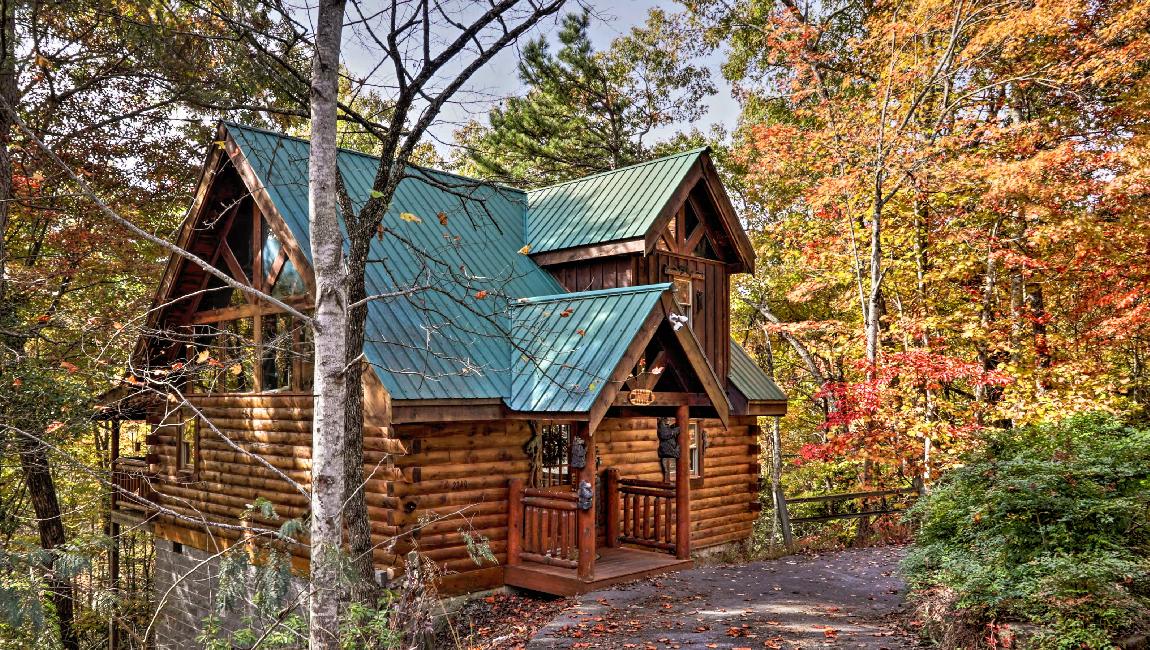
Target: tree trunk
{"x":363,"y":585}
{"x":42,"y":492}
{"x":10,"y":95}
{"x":331,"y":320}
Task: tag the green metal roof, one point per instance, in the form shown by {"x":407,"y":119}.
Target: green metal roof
{"x":568,"y":345}
{"x":610,"y":206}
{"x":443,"y":342}
{"x":749,"y":378}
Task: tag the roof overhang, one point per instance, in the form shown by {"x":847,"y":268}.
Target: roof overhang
{"x":691,"y":348}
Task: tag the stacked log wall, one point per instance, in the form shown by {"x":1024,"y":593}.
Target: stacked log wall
{"x":453,"y":478}
{"x":277,"y":428}
{"x":723,"y":502}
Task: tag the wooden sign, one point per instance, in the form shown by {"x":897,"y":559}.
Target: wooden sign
{"x":641,"y":397}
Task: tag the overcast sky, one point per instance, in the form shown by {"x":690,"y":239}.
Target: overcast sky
{"x":499,"y":78}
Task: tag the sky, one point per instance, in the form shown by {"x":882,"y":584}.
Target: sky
{"x":499,"y":78}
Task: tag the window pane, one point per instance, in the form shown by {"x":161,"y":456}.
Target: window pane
{"x":696,"y":449}
{"x":271,"y":246}
{"x":276,"y":362}
{"x":289,"y":282}
{"x":187,"y":448}
{"x":555,"y":454}
{"x":229,"y":366}
{"x":307,"y":355}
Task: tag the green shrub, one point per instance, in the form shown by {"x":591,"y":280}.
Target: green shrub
{"x":1047,"y":526}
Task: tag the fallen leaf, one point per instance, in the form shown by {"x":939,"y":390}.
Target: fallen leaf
{"x":407,"y":216}
{"x":481,"y":294}
{"x":70,"y":367}
{"x":525,"y":250}
{"x":442,"y":219}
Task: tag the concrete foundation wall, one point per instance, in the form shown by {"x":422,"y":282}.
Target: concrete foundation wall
{"x":187,"y":593}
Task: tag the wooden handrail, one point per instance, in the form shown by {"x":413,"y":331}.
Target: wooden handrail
{"x":132,"y":484}
{"x":853,"y":495}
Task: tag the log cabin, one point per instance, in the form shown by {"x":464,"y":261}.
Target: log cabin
{"x":553,"y":373}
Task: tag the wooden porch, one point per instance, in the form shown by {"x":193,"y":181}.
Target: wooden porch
{"x":612,"y":566}
{"x":552,"y":534}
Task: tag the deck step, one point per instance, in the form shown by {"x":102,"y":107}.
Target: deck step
{"x":613,"y":566}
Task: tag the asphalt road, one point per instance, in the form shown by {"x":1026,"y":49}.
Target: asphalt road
{"x":846,"y":599}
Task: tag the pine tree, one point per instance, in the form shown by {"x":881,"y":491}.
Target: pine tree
{"x":586,"y":111}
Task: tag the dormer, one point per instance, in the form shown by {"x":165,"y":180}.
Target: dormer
{"x":665,"y":220}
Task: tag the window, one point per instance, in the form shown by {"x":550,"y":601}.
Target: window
{"x":554,"y":454}
{"x":684,"y":294}
{"x":229,"y":357}
{"x":697,"y":442}
{"x":187,"y":449}
{"x":696,"y":452}
{"x":277,"y":352}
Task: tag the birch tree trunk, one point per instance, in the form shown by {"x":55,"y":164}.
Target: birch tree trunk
{"x":331,"y":380}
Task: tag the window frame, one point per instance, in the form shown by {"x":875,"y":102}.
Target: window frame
{"x":688,"y":307}
{"x":565,"y":478}
{"x":187,"y":451}
{"x":265,"y":275}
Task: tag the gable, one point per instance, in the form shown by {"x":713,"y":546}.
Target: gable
{"x":629,"y":210}
{"x":609,"y":206}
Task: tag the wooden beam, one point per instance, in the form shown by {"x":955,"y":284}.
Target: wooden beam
{"x":683,"y":486}
{"x":608,"y":249}
{"x":671,"y":208}
{"x":270,"y":213}
{"x":700,"y":365}
{"x":514,"y":520}
{"x":585,"y":519}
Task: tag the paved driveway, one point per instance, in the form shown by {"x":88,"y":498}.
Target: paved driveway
{"x":846,"y":599}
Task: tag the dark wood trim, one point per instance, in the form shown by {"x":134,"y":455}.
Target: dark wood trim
{"x":766,"y":408}
{"x":719,"y":198}
{"x":630,"y":357}
{"x":608,"y":249}
{"x":671,"y":208}
{"x":233,"y":264}
{"x":702,"y":368}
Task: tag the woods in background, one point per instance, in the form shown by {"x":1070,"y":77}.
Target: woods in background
{"x":948,"y":198}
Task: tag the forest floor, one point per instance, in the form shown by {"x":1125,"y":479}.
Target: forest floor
{"x":844,"y":599}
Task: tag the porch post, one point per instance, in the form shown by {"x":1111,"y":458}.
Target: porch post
{"x":585,"y":519}
{"x":683,"y":486}
{"x":611,"y":494}
{"x":514,"y":520}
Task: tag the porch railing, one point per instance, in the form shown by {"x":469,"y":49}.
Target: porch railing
{"x":543,"y":526}
{"x":641,"y":512}
{"x":132,"y":484}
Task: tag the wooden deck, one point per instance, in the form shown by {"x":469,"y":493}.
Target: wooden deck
{"x":613,"y":566}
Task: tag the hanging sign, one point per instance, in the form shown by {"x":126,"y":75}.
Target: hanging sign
{"x":641,"y":397}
